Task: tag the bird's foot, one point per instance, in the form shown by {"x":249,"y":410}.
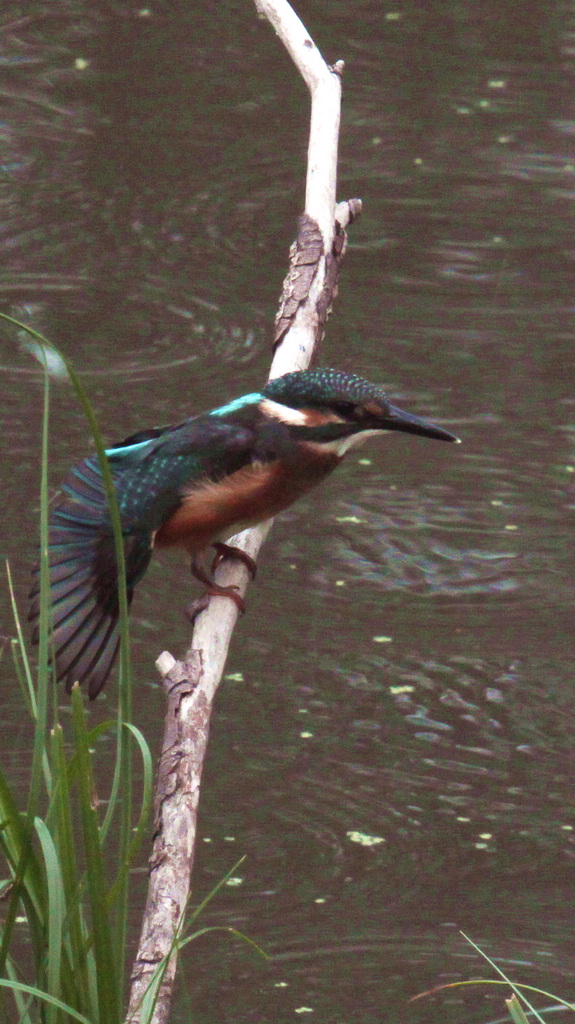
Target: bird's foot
{"x":212,"y":588}
{"x":230,"y":551}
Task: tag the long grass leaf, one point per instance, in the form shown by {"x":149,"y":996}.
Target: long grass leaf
{"x":56,"y":915}
{"x":31,"y":700}
{"x":140,"y":830}
{"x":515,"y":988}
{"x":516,"y":1010}
{"x":104,"y":951}
{"x":213,"y":892}
{"x":39,"y":762}
{"x":22,"y":1005}
{"x":150,"y":997}
{"x":46,"y":998}
{"x":230,"y":931}
{"x":60,"y":818}
{"x":13,"y":840}
{"x":28,"y":690}
{"x":18,"y":662}
{"x":39,"y":768}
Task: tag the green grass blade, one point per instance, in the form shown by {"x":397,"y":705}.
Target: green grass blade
{"x":515,"y":988}
{"x":516,"y":1011}
{"x":213,"y":892}
{"x":94,"y":735}
{"x":105,"y":953}
{"x":79,"y":989}
{"x":39,"y":768}
{"x":46,"y":998}
{"x":22,"y":663}
{"x":56,"y":916}
{"x":22,"y":1004}
{"x":140,"y":830}
{"x":148,"y":1003}
{"x":29,"y":691}
{"x":14,"y":838}
{"x":18,"y":662}
{"x":230,"y":931}
{"x":39,"y":763}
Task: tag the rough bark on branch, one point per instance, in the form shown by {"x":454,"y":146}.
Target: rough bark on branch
{"x":305,"y":257}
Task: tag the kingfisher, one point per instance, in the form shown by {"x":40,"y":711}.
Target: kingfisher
{"x":193,"y":486}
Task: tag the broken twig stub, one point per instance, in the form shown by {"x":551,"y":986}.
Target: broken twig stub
{"x":305,"y":255}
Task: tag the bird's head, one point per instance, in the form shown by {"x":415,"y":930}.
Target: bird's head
{"x":335,"y":410}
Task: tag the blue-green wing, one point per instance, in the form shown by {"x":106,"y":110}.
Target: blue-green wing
{"x":149,"y":474}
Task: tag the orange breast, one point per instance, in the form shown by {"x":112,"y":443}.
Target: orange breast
{"x":212,"y":511}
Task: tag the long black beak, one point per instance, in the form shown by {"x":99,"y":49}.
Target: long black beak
{"x":397,"y":419}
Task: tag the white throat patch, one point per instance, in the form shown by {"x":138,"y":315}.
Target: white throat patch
{"x":342,"y":444}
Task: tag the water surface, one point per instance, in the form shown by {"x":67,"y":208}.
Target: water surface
{"x":393,"y":745}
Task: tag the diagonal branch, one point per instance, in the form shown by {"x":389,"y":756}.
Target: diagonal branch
{"x":191,"y":685}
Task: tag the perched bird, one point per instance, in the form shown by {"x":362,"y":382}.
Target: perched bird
{"x":192,"y":486}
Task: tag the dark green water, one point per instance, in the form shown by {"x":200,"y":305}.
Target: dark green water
{"x":405,"y":668}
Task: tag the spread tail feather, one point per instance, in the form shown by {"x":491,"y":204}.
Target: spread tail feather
{"x":84,"y":580}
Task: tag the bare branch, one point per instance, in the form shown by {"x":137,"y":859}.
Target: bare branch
{"x":324,"y":85}
{"x":308,"y":291}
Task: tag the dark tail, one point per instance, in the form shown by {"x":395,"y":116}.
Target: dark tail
{"x":84,"y":580}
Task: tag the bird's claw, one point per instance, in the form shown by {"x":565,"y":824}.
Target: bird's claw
{"x":213,"y":590}
{"x":231,"y":551}
{"x":216,"y":589}
{"x":194,"y":608}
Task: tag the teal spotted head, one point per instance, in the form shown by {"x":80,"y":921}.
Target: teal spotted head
{"x":337,"y":410}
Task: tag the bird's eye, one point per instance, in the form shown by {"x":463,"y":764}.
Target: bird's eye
{"x":346,"y":410}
